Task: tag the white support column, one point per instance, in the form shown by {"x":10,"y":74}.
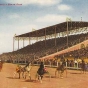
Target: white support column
{"x":14,"y":41}
{"x":18,"y":43}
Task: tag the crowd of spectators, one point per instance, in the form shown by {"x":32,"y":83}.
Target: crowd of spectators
{"x":43,"y":48}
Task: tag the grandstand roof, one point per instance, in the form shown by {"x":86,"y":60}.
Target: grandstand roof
{"x":61,"y":27}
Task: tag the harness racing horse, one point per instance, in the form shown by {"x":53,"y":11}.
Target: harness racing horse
{"x":83,"y":67}
{"x":26,"y":71}
{"x":60,"y":69}
{"x":40,"y":73}
{"x":23,"y":70}
{"x":18,"y":71}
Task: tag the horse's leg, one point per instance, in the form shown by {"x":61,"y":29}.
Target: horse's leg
{"x":84,"y":70}
{"x":36,"y":76}
{"x":81,"y":70}
{"x":58,"y":73}
{"x":49,"y":75}
{"x":19,"y":75}
{"x":25,"y":75}
{"x":0,"y":66}
{"x":14,"y":74}
{"x":0,"y":69}
{"x":61,"y":74}
{"x":55,"y":73}
{"x":40,"y":78}
{"x":29,"y":75}
{"x":66,"y":72}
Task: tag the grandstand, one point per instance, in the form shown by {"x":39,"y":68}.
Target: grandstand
{"x":52,"y":41}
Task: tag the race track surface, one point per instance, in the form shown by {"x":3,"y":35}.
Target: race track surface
{"x":74,"y":79}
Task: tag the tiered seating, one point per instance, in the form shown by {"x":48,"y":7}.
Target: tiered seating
{"x":39,"y":49}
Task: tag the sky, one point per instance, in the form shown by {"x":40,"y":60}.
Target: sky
{"x":21,"y":16}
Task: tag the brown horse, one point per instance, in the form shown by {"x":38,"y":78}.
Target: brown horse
{"x":18,"y":71}
{"x":83,"y":67}
{"x":1,"y":65}
{"x":22,"y":70}
{"x":26,"y":71}
{"x":60,"y":69}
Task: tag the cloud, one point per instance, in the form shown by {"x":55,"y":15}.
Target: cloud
{"x":14,"y":16}
{"x":39,"y":2}
{"x":6,"y":43}
{"x":52,"y":18}
{"x":6,"y":37}
{"x":64,"y":7}
{"x":25,"y":29}
{"x":18,"y":29}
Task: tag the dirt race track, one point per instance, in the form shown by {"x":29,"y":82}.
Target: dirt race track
{"x":74,"y":79}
